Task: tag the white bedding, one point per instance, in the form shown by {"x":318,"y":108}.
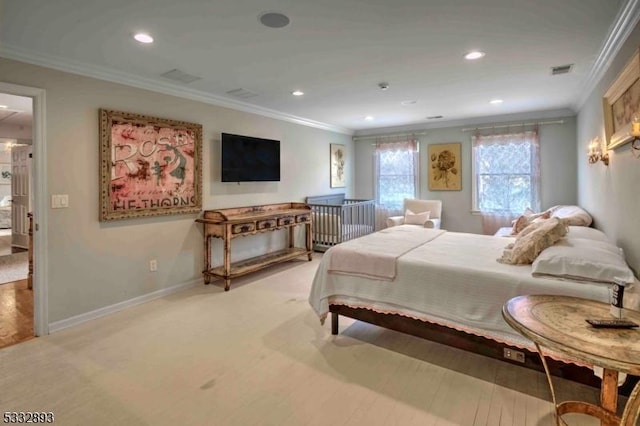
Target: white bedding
{"x":453,"y":280}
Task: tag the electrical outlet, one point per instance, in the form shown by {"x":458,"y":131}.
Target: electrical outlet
{"x":513,"y":355}
{"x":153,"y":265}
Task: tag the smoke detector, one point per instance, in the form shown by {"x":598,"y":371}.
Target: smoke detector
{"x":383,"y":86}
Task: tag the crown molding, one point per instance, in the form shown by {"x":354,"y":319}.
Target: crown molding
{"x":626,"y":20}
{"x":116,"y":76}
{"x":474,"y":121}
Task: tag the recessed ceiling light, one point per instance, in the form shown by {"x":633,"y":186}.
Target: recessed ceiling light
{"x":297,"y":93}
{"x":495,"y":101}
{"x":4,"y":106}
{"x":369,"y":118}
{"x":476,"y":54}
{"x":143,"y":38}
{"x":411,"y":102}
{"x":274,"y":19}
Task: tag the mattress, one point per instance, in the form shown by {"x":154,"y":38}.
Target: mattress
{"x":5,"y":217}
{"x":349,"y":232}
{"x":453,"y":280}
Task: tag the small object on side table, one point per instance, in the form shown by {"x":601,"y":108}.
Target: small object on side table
{"x":558,"y":324}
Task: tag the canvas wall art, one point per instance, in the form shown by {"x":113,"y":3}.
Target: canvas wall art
{"x":445,"y":172}
{"x":149,"y":166}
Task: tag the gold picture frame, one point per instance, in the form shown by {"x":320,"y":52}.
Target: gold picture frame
{"x":445,"y":170}
{"x":149,"y":166}
{"x":620,"y":102}
{"x":338,"y":161}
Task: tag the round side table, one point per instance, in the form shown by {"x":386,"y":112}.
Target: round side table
{"x":558,"y":323}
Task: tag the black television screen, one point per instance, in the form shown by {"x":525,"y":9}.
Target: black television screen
{"x":247,"y":159}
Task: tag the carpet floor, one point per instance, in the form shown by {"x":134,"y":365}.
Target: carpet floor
{"x":14,"y":267}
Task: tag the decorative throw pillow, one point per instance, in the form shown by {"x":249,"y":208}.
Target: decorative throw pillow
{"x":529,"y":244}
{"x":575,"y":215}
{"x":526,"y":219}
{"x":411,"y":218}
{"x":584,"y":260}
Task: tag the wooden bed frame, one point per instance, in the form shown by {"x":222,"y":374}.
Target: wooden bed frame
{"x":469,"y":342}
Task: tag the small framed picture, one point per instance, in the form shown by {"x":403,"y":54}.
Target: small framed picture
{"x":5,"y":174}
{"x":338,"y":160}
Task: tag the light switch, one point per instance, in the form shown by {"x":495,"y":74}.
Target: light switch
{"x":59,"y":201}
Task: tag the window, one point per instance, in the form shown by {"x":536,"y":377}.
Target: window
{"x":396,"y":169}
{"x":506,"y":175}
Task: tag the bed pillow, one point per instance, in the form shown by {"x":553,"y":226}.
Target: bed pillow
{"x":587,"y":233}
{"x":584,"y":260}
{"x":575,"y":215}
{"x":411,"y":218}
{"x":529,"y":244}
{"x":526,"y":219}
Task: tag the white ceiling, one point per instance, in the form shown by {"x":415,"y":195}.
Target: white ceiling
{"x":336,"y":51}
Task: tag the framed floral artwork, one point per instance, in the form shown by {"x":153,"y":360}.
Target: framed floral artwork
{"x":444,"y":167}
{"x":338,"y":161}
{"x":149,"y":166}
{"x":5,"y":174}
{"x":620,"y":102}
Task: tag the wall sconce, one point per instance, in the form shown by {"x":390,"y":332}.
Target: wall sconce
{"x":635,"y":130}
{"x":595,"y":151}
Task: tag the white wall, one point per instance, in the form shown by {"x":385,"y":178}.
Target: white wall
{"x":610,"y":193}
{"x":94,"y":264}
{"x":557,"y":158}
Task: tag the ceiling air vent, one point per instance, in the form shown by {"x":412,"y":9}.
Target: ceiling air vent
{"x":242,"y":93}
{"x":181,"y":76}
{"x":434,"y":117}
{"x":562,"y":69}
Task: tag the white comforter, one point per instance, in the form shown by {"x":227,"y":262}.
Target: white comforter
{"x":452,"y":280}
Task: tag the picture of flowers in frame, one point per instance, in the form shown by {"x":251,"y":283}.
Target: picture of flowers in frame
{"x":338,"y":161}
{"x":149,"y":166}
{"x":620,"y":102}
{"x":444,"y":167}
{"x":5,"y":174}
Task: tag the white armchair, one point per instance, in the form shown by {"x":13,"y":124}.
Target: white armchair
{"x":434,"y":207}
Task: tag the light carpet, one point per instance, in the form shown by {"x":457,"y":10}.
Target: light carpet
{"x":14,"y":267}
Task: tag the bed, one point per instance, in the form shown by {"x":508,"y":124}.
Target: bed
{"x":5,"y":212}
{"x":444,"y":286}
{"x":337,"y":219}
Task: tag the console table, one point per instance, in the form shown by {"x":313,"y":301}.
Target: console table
{"x":228,"y":224}
{"x":558,"y":323}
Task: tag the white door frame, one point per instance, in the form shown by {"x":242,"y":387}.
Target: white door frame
{"x":40,"y":266}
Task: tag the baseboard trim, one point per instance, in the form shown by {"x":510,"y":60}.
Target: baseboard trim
{"x":107,"y":310}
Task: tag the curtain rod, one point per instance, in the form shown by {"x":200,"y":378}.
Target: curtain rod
{"x":397,"y":135}
{"x":537,"y":123}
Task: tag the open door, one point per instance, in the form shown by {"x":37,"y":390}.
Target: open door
{"x":20,"y":194}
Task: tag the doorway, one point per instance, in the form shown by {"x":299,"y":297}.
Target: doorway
{"x":16,"y":295}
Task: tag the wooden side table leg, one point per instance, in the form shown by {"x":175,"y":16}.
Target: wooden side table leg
{"x":309,"y":243}
{"x":609,"y":392}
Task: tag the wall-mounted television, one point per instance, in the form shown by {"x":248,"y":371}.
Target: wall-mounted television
{"x":249,"y":159}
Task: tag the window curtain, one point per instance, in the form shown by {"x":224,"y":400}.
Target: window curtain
{"x":506,"y":177}
{"x":396,"y":177}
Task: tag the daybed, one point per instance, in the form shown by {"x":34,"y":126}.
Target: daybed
{"x":337,"y":219}
{"x":444,"y":286}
